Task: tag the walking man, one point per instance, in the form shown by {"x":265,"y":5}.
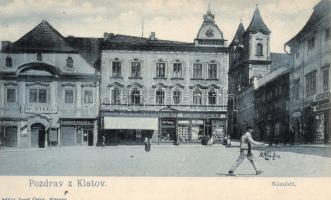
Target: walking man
{"x":246,"y":142}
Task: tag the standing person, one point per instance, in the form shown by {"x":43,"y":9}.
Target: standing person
{"x":103,"y":140}
{"x":149,"y":143}
{"x":246,"y":142}
{"x":146,"y":141}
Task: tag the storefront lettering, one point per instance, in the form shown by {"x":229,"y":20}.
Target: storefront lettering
{"x":40,"y":109}
{"x":76,"y":122}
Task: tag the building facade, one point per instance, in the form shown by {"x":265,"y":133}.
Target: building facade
{"x":310,"y":50}
{"x":251,"y":66}
{"x":49,"y":90}
{"x":170,"y":91}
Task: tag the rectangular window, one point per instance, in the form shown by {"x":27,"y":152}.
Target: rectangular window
{"x":176,"y":97}
{"x":212,"y":71}
{"x":37,"y":95}
{"x":177,"y":70}
{"x":33,"y":95}
{"x":116,"y":69}
{"x":88,"y":96}
{"x":326,"y":80}
{"x":160,"y":97}
{"x":197,"y":70}
{"x":135,"y":69}
{"x":68,"y":96}
{"x":311,"y":83}
{"x":327,"y":34}
{"x":296,"y":88}
{"x":311,"y":43}
{"x":160,"y":70}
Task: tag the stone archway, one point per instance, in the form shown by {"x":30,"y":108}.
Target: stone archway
{"x":38,"y":135}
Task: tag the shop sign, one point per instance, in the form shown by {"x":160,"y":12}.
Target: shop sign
{"x":323,"y":107}
{"x":183,"y":122}
{"x":8,"y":123}
{"x":168,"y":122}
{"x":40,"y":109}
{"x":77,"y":122}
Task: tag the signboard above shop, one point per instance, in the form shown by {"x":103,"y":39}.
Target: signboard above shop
{"x":40,"y":109}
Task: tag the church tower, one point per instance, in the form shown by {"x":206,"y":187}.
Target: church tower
{"x":209,"y":34}
{"x":257,"y":47}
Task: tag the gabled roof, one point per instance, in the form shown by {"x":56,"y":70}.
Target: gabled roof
{"x":238,"y":38}
{"x":257,"y":24}
{"x":42,"y":38}
{"x":321,"y":10}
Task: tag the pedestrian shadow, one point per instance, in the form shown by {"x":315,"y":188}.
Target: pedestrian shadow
{"x":236,"y":175}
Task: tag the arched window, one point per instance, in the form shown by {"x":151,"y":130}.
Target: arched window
{"x":177,"y":96}
{"x":69,"y":62}
{"x":259,"y":49}
{"x":39,"y":57}
{"x":116,"y":96}
{"x":135,"y":96}
{"x":9,"y":61}
{"x":197,"y":97}
{"x":160,"y":96}
{"x":212,"y":96}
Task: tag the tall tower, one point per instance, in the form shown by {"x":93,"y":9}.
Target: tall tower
{"x":257,"y":47}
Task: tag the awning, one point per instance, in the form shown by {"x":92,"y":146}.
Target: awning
{"x":133,"y":123}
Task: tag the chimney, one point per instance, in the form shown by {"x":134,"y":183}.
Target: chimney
{"x":152,"y":36}
{"x":5,"y":46}
{"x":107,"y":36}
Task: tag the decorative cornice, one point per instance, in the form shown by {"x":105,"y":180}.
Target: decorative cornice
{"x":177,"y":85}
{"x":198,"y":86}
{"x":68,"y":84}
{"x":38,"y":83}
{"x":115,"y":84}
{"x":160,"y":85}
{"x":10,"y":83}
{"x":135,"y":84}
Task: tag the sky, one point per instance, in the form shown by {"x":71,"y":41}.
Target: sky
{"x":177,"y":20}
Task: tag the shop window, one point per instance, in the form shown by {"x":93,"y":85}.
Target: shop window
{"x":135,"y":69}
{"x":116,"y":96}
{"x":9,"y":61}
{"x":116,"y":69}
{"x":160,"y":70}
{"x":259,"y":49}
{"x":8,"y":135}
{"x":11,"y":95}
{"x":135,"y":96}
{"x":68,"y":96}
{"x":69,"y":62}
{"x":37,"y":95}
{"x":177,"y":70}
{"x":212,"y":71}
{"x":177,"y":96}
{"x":212,"y":97}
{"x":88,"y":96}
{"x":197,"y":71}
{"x":160,"y":97}
{"x":197,"y":97}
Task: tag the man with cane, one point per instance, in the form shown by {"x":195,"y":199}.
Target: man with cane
{"x":246,"y":142}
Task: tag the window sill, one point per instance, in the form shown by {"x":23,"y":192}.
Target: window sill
{"x":117,"y":77}
{"x":160,"y":78}
{"x":176,"y":78}
{"x":135,"y":78}
{"x":259,"y":55}
{"x":197,"y":79}
{"x":212,"y":79}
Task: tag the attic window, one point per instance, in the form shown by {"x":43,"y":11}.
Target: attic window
{"x":39,"y":57}
{"x":9,"y":61}
{"x":259,"y":49}
{"x":70,"y":62}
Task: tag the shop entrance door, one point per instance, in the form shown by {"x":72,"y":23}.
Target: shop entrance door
{"x":38,"y":135}
{"x":88,"y":137}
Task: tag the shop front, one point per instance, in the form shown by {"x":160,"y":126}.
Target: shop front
{"x":9,"y":133}
{"x":322,"y":114}
{"x":79,"y":132}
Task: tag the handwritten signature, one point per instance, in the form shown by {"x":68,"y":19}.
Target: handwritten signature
{"x":268,"y":155}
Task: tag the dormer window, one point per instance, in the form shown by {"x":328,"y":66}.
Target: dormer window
{"x":39,"y":57}
{"x":9,"y":61}
{"x":259,"y":49}
{"x":69,"y":62}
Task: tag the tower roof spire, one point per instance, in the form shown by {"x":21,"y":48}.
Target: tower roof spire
{"x":257,"y":23}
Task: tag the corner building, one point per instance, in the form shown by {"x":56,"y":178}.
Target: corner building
{"x":49,"y":89}
{"x":164,"y":89}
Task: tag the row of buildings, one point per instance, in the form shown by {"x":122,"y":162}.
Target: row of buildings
{"x":68,"y":91}
{"x":285,"y":97}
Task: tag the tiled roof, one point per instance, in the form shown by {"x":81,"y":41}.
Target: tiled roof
{"x":42,"y":38}
{"x":89,"y":48}
{"x":257,"y":24}
{"x":321,"y":10}
{"x":238,"y":38}
{"x":125,"y":42}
